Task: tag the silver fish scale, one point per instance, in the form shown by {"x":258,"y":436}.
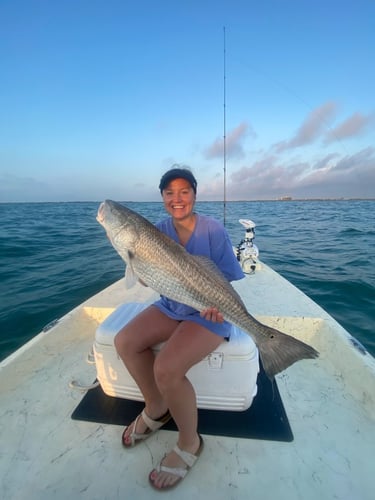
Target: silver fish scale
{"x":167,"y":268}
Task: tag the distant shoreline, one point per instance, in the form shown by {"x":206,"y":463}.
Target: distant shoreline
{"x":291,"y":199}
{"x":283,"y":200}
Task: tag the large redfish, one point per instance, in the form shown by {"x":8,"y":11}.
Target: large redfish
{"x":170,"y":270}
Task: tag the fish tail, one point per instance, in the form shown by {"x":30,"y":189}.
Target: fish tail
{"x":279,"y":351}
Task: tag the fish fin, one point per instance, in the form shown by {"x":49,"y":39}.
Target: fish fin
{"x":130,"y":276}
{"x":279,"y":351}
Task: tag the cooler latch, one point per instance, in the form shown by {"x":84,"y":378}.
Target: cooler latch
{"x":215,"y":360}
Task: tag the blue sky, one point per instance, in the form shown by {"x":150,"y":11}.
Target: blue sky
{"x":99,"y":98}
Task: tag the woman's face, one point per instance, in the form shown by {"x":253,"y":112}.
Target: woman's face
{"x":179,"y":199}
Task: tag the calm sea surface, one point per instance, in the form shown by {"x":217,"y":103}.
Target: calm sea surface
{"x":53,"y":256}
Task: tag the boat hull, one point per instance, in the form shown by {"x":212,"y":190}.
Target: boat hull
{"x":329,"y":403}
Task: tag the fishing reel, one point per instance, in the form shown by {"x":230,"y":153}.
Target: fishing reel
{"x":247,"y":251}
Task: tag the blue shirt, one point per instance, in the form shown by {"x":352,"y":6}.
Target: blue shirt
{"x":211,"y":240}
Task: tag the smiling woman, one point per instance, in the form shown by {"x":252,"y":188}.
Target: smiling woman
{"x":189,"y":335}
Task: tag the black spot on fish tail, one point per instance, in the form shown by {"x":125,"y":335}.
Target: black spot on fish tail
{"x":278,"y":351}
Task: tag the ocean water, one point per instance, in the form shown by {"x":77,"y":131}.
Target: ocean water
{"x":53,"y":256}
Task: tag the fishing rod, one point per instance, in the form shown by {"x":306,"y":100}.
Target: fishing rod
{"x":224,"y":130}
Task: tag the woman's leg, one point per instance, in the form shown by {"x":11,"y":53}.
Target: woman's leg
{"x":134,"y":346}
{"x":188,"y":345}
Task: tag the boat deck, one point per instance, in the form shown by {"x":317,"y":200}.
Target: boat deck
{"x":330,"y":403}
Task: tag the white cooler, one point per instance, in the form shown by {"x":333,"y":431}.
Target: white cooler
{"x":224,"y":380}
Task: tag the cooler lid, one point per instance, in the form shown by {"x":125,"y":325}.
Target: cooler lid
{"x":107,"y":330}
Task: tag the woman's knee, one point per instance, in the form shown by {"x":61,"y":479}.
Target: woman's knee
{"x":123,"y":342}
{"x":167,"y":373}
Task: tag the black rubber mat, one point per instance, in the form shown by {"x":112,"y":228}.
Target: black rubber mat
{"x":265,"y":419}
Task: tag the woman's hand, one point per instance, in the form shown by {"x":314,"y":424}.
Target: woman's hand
{"x":212,"y":314}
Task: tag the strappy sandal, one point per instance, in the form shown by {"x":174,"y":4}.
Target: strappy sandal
{"x":179,"y":472}
{"x":152,"y":426}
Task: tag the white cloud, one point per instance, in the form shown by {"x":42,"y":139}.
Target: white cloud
{"x":274,"y":173}
{"x":312,"y":127}
{"x":353,"y":126}
{"x":233,"y":143}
